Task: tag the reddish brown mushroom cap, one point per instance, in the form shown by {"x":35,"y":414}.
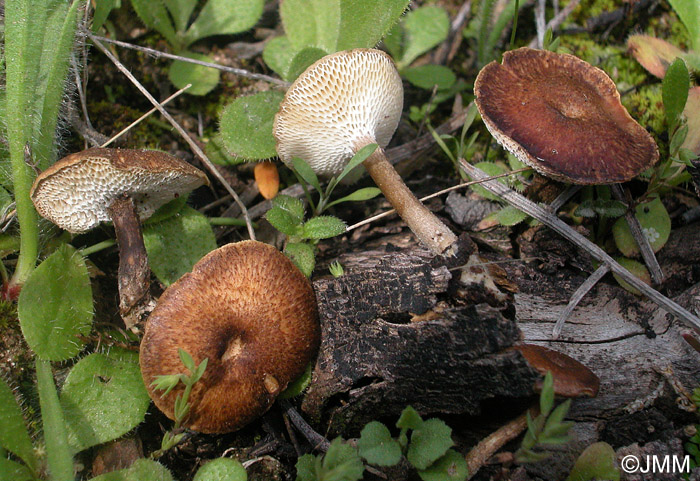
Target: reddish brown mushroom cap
{"x":563,"y":117}
{"x":571,"y":378}
{"x":248,"y":310}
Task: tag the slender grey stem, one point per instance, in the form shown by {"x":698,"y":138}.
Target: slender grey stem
{"x":193,"y":145}
{"x":582,"y":242}
{"x":657,"y":275}
{"x":317,"y":440}
{"x":557,"y":19}
{"x":576,"y":298}
{"x":157,"y":53}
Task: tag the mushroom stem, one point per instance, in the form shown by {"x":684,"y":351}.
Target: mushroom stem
{"x":429,"y":230}
{"x":134,"y":273}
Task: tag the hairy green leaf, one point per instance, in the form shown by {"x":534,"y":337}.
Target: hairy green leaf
{"x":359,"y":157}
{"x":13,"y":432}
{"x":409,"y":419}
{"x":224,"y":17}
{"x":377,"y":446}
{"x":292,"y":205}
{"x":306,"y":173}
{"x":246,"y":125}
{"x":55,"y":305}
{"x":302,"y":255}
{"x":637,"y":269}
{"x":342,"y":463}
{"x":103,"y":398}
{"x":142,"y":469}
{"x":364,"y":193}
{"x":674,"y":91}
{"x":597,"y":461}
{"x":429,"y":76}
{"x":689,"y":13}
{"x":323,"y":227}
{"x":450,"y":467}
{"x":221,"y":469}
{"x":363,"y":23}
{"x":429,"y":442}
{"x":175,"y":244}
{"x":303,"y":60}
{"x":424,"y":28}
{"x":14,"y":471}
{"x":547,"y":394}
{"x":278,"y":54}
{"x":655,"y":223}
{"x":156,"y":16}
{"x":311,"y":23}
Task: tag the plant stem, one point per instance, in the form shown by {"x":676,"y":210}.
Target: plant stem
{"x":100,"y":246}
{"x":58,"y":456}
{"x":16,"y":33}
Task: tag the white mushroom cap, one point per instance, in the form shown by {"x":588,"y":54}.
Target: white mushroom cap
{"x":75,"y":192}
{"x":339,"y":104}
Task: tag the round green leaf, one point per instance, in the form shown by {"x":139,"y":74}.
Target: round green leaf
{"x":103,"y":398}
{"x":13,"y":433}
{"x":278,"y":54}
{"x":637,"y":269}
{"x":203,"y":79}
{"x":246,"y":125}
{"x":142,"y":469}
{"x":451,"y":467}
{"x":655,"y":223}
{"x":55,"y":305}
{"x":428,"y":76}
{"x":302,"y":255}
{"x":302,"y":60}
{"x":425,"y":28}
{"x":597,"y":461}
{"x":377,"y":446}
{"x":429,"y":442}
{"x":224,"y":17}
{"x":177,"y":243}
{"x":221,"y":469}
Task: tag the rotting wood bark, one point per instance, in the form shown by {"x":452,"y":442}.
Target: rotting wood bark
{"x":376,"y":357}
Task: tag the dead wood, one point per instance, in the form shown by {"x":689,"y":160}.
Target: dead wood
{"x":388,"y":341}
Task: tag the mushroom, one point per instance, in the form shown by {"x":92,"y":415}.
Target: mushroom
{"x":341,"y":103}
{"x":124,"y":186}
{"x":247,"y":309}
{"x":563,"y":117}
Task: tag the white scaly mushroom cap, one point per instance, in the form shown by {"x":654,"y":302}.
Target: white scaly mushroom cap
{"x":339,"y":104}
{"x":75,"y":192}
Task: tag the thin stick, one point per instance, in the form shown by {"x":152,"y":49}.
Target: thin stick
{"x":157,"y":53}
{"x":317,"y":441}
{"x":140,"y":119}
{"x":557,"y":20}
{"x":193,"y":145}
{"x":657,"y":275}
{"x":582,"y":242}
{"x":576,"y":298}
{"x":564,"y":197}
{"x":436,"y":194}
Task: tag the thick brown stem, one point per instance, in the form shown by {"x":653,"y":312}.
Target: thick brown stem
{"x":429,"y":230}
{"x":134,"y":274}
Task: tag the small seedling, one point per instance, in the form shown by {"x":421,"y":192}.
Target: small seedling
{"x":547,"y":429}
{"x":166,"y":384}
{"x":336,"y":269}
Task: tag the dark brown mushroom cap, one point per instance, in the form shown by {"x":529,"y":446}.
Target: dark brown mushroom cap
{"x":248,"y":310}
{"x":563,"y":117}
{"x":571,"y":378}
{"x":75,"y":192}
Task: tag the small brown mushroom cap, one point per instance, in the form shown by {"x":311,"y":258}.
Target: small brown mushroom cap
{"x":336,"y":106}
{"x":247,"y":309}
{"x":563,"y":117}
{"x":75,"y":192}
{"x":571,"y":378}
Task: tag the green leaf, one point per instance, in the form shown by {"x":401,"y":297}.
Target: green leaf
{"x":177,"y":243}
{"x":224,"y":17}
{"x":678,"y":139}
{"x":655,"y":223}
{"x":13,"y":432}
{"x":547,"y":394}
{"x":154,"y":15}
{"x":637,"y":269}
{"x":246,"y":125}
{"x":323,"y":227}
{"x":674,"y":91}
{"x":283,"y":221}
{"x":298,"y":386}
{"x":102,"y":10}
{"x":311,"y":23}
{"x":359,"y":157}
{"x":359,"y":195}
{"x":303,"y":60}
{"x":55,"y":305}
{"x":424,"y":28}
{"x":510,"y":215}
{"x":597,"y":461}
{"x":409,"y":419}
{"x":429,"y":76}
{"x":142,"y":469}
{"x":203,"y":79}
{"x":429,"y":442}
{"x":13,"y":471}
{"x":306,"y":468}
{"x":180,"y":11}
{"x":103,"y":398}
{"x":490,"y":169}
{"x":377,"y":446}
{"x":168,"y":210}
{"x":342,"y":463}
{"x":306,"y":173}
{"x":363,"y":23}
{"x":278,"y":54}
{"x":221,"y":469}
{"x":602,"y":207}
{"x":689,"y":13}
{"x":186,"y":360}
{"x":450,"y":467}
{"x":302,"y":255}
{"x":292,"y":205}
